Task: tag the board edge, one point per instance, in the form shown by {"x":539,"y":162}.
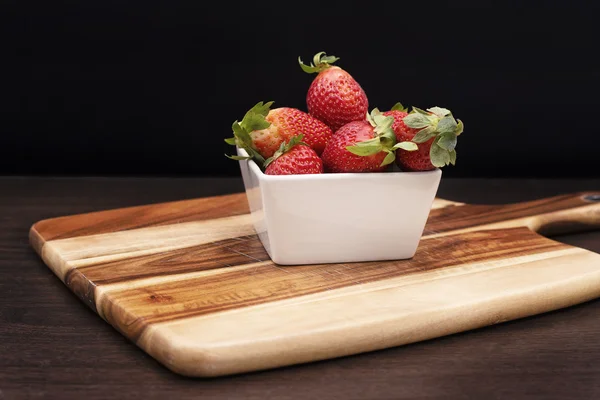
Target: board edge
{"x":36,"y":240}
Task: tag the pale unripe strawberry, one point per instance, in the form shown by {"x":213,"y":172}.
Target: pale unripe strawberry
{"x":262,"y":131}
{"x":286,"y":123}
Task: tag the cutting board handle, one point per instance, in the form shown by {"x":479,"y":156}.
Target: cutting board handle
{"x":572,"y":213}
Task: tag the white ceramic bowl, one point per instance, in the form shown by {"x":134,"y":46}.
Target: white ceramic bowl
{"x":335,"y":218}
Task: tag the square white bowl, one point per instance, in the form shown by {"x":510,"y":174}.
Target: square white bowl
{"x":336,"y":218}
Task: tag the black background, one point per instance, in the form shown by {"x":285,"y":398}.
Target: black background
{"x":151,"y":88}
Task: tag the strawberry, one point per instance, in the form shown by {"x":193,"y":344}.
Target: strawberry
{"x":363,"y":146}
{"x":435,"y":131}
{"x":334,"y":96}
{"x":294,"y":157}
{"x":262,"y":131}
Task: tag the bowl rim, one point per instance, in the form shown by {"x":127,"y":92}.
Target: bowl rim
{"x":332,"y":176}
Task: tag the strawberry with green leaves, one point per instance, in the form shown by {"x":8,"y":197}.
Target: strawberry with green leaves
{"x":294,"y":158}
{"x":364,"y":146}
{"x":435,"y":131}
{"x":262,"y":131}
{"x":334,"y":97}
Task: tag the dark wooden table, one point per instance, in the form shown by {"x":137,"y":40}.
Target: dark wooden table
{"x":52,"y":346}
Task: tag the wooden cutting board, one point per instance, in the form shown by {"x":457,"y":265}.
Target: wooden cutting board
{"x":190,"y":283}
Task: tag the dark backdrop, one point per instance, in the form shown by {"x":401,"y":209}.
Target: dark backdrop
{"x":143,"y":87}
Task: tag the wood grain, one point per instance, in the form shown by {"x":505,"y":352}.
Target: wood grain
{"x":119,"y":220}
{"x":264,"y":282}
{"x":53,"y":347}
{"x":175,"y":270}
{"x":559,"y":214}
{"x":382,"y":315}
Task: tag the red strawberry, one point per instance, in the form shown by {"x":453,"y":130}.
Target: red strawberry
{"x":294,"y":157}
{"x":418,"y":159}
{"x":337,"y":158}
{"x":262,"y":131}
{"x":435,"y":131}
{"x":334,"y":96}
{"x":362,"y":146}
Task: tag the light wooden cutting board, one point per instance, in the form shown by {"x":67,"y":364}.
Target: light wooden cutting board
{"x":190,"y":283}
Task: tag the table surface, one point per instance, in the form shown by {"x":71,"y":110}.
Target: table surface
{"x":53,"y":346}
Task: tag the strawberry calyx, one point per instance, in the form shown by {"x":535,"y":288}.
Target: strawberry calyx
{"x":384,"y":140}
{"x":321,"y":62}
{"x":253,"y":120}
{"x":438,"y":123}
{"x":399,"y":107}
{"x":285,"y":147}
